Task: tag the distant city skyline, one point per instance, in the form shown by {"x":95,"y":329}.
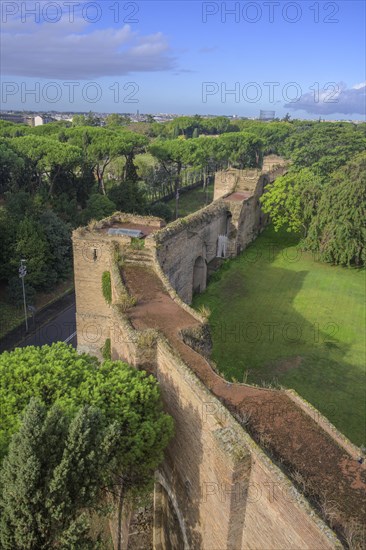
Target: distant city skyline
{"x":224,"y":58}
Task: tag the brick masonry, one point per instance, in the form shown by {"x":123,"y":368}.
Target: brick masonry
{"x":216,"y":489}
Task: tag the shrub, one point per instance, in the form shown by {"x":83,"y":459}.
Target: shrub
{"x":117,"y":257}
{"x":161,"y":210}
{"x":128,"y":197}
{"x":204,"y":311}
{"x":126,"y":302}
{"x":59,"y":374}
{"x":106,"y":349}
{"x":147,"y":338}
{"x":98,"y":207}
{"x":137,"y":244}
{"x":107,"y":287}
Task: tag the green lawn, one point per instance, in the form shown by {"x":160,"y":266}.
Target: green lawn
{"x":193,"y":200}
{"x":279,"y":315}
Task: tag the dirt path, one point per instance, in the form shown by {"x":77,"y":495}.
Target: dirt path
{"x":323,"y":470}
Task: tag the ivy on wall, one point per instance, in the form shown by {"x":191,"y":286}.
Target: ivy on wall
{"x":137,"y":244}
{"x":106,"y":350}
{"x":107,"y":287}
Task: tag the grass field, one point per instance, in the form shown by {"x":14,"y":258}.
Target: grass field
{"x":277,"y":315}
{"x":193,"y":200}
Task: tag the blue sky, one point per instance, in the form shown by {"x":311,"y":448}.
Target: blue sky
{"x":305,"y":57}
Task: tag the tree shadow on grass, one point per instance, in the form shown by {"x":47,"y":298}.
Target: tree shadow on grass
{"x":259,"y":337}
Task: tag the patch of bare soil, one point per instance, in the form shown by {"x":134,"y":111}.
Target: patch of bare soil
{"x":239,"y":196}
{"x":322,"y":470}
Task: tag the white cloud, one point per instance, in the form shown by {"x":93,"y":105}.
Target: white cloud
{"x":78,"y":50}
{"x":358,"y":86}
{"x":335,"y":99}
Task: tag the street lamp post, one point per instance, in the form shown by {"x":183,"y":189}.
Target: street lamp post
{"x":22,"y":274}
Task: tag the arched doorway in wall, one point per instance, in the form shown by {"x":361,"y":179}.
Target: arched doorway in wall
{"x":199,"y":275}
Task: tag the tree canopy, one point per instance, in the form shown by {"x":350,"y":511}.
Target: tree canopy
{"x":68,"y":168}
{"x":325,"y":147}
{"x":330,"y":214}
{"x":58,"y":374}
{"x":337,"y":232}
{"x":292,"y":200}
{"x":53,"y":479}
{"x":46,"y":156}
{"x":72,"y":432}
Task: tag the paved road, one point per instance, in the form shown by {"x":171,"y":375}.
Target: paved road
{"x":61,"y":328}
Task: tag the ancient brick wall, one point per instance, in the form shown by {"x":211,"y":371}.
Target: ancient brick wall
{"x":91,"y":258}
{"x":93,"y":251}
{"x":249,"y":219}
{"x":184,"y":244}
{"x":203,"y":455}
{"x":228,"y":181}
{"x":227,"y":493}
{"x":216,"y":489}
{"x":231,"y":180}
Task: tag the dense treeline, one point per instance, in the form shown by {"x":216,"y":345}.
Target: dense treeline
{"x":323,"y":195}
{"x":58,"y":176}
{"x":337,"y":231}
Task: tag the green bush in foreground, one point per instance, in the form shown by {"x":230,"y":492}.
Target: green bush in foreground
{"x":57,"y":374}
{"x":52,"y":479}
{"x":89,"y":430}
